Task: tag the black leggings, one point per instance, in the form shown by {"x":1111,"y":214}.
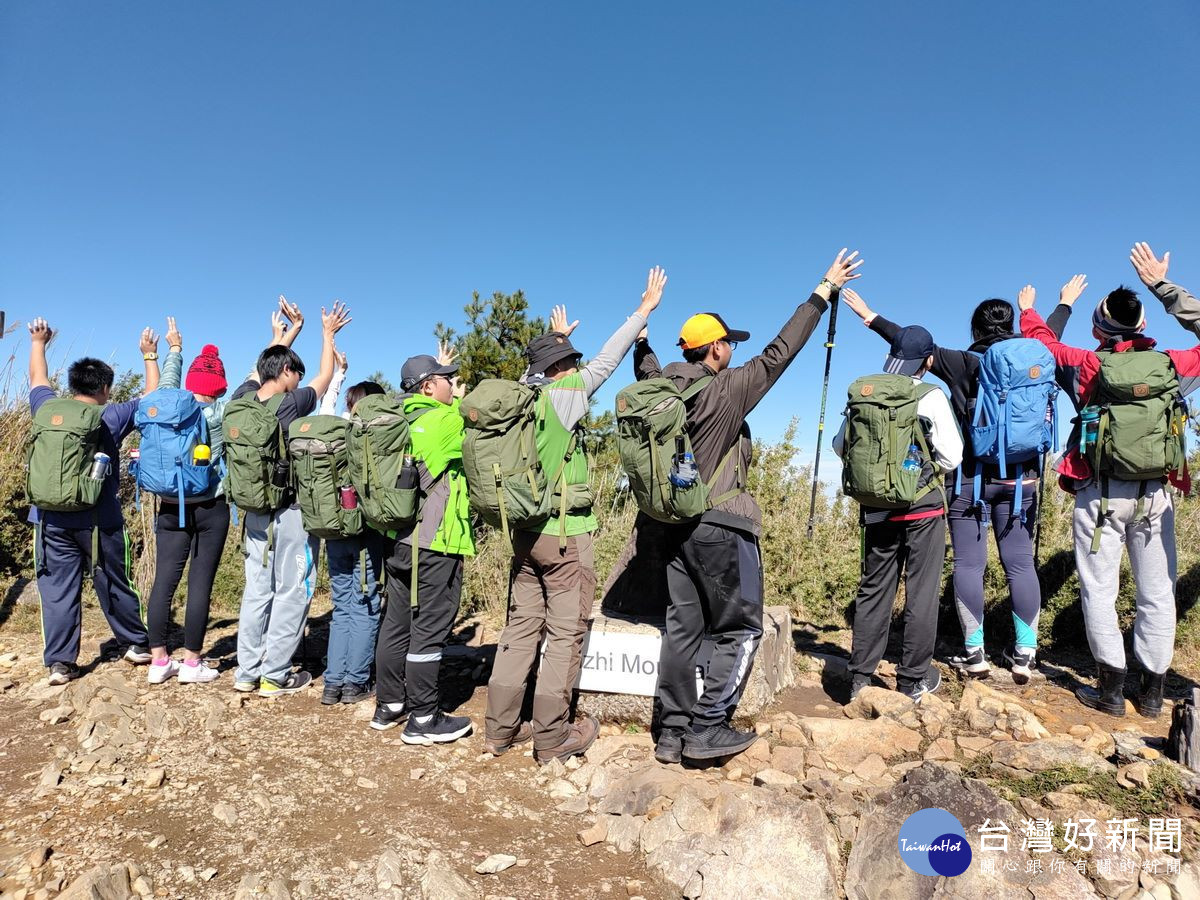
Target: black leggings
{"x":202,"y":539}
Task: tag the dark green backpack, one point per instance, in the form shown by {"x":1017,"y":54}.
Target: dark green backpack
{"x":1140,"y":433}
{"x":652,"y":418}
{"x":317,"y":446}
{"x":508,"y":488}
{"x":254,"y":443}
{"x":62,"y":446}
{"x":376,"y":444}
{"x":881,"y":427}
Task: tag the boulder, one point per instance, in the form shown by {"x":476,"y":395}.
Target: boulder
{"x":439,"y":881}
{"x":100,"y":883}
{"x":1020,"y":759}
{"x":847,"y":742}
{"x":633,"y":794}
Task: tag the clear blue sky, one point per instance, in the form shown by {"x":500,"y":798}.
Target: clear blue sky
{"x":201,"y":158}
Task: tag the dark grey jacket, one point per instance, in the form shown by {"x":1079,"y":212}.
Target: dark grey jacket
{"x":717,"y":418}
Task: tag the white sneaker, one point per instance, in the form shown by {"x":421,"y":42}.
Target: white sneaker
{"x":156,"y":674}
{"x":197,"y":674}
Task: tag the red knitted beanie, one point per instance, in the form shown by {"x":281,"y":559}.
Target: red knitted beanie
{"x":206,"y":375}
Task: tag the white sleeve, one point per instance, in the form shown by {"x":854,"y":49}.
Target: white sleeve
{"x":945,"y":441}
{"x":839,"y":439}
{"x":329,"y":398}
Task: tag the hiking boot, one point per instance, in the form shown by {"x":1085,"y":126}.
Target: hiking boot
{"x":157,"y":673}
{"x":296,"y":681}
{"x":353,"y":692}
{"x":387,"y":718}
{"x":1150,"y":701}
{"x":973,"y":663}
{"x":669,"y":746}
{"x":916,"y":690}
{"x":498,"y":748}
{"x":61,"y":673}
{"x":437,"y":729}
{"x":580,"y":736}
{"x":858,"y":683}
{"x":138,"y":655}
{"x":331,"y":694}
{"x":1108,"y":696}
{"x":245,"y":687}
{"x":713,"y":741}
{"x":197,"y":674}
{"x":1022,"y":661}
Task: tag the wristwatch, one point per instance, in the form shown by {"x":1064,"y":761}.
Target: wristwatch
{"x":149,"y":357}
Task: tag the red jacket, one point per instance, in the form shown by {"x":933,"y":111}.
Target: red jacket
{"x":1077,"y":369}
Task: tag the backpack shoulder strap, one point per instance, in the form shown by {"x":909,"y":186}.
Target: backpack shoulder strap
{"x":695,"y":387}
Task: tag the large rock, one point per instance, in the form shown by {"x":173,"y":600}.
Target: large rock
{"x":847,"y":742}
{"x":439,"y":881}
{"x":633,"y":794}
{"x":772,"y":672}
{"x":1020,"y":758}
{"x":875,"y":870}
{"x":988,"y":709}
{"x":100,"y":883}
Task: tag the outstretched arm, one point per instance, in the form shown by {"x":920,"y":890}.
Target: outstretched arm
{"x":172,"y":369}
{"x":288,"y":314}
{"x":1075,"y":368}
{"x":748,"y":384}
{"x":331,"y":323}
{"x":1177,"y":301}
{"x":329,"y":400}
{"x":40,"y":336}
{"x":597,"y":371}
{"x":149,"y":347}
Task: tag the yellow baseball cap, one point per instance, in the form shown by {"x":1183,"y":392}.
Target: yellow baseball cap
{"x":704,"y":328}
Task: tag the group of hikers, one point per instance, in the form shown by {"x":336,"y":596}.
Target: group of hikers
{"x":397,"y":487}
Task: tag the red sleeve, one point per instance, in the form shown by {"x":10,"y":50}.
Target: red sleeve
{"x":1076,"y":368}
{"x":1187,"y":365}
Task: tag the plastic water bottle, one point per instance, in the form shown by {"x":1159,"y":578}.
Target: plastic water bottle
{"x":407,"y":480}
{"x":683,"y":466}
{"x":201,"y":455}
{"x":1089,"y":428}
{"x":912,"y":462}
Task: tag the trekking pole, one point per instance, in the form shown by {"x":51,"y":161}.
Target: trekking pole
{"x":812,"y":504}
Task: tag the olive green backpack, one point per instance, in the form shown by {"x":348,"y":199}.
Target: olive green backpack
{"x":254,"y":443}
{"x":317,"y":446}
{"x":62,"y":447}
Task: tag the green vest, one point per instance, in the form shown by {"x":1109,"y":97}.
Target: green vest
{"x":553,"y":440}
{"x":437,"y":437}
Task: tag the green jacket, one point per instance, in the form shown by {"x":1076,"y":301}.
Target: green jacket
{"x":553,"y":438}
{"x":437,"y":437}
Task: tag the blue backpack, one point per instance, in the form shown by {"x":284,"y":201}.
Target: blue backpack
{"x":1015,"y":418}
{"x":172,"y":423}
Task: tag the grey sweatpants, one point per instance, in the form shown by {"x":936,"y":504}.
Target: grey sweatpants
{"x":1150,"y":541}
{"x":275,"y":602}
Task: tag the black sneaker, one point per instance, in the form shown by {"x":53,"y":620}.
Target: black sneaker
{"x":61,"y":673}
{"x":385,"y":718}
{"x":716,"y":740}
{"x":669,"y":747}
{"x":138,"y":655}
{"x":1022,"y":660}
{"x":973,"y":663}
{"x":331,"y":694}
{"x":353,"y":693}
{"x":858,"y":683}
{"x":439,"y":729}
{"x":915,"y":690}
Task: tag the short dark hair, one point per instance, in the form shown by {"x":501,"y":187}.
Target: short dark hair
{"x":991,"y":317}
{"x":696,"y":354}
{"x":1124,"y":306}
{"x":88,"y":377}
{"x":356,"y":392}
{"x":276,"y":358}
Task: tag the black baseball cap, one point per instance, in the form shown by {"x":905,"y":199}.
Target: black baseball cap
{"x":547,"y":349}
{"x":418,"y":368}
{"x":910,"y":348}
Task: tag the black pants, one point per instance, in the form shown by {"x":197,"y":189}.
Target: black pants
{"x":62,"y":555}
{"x":919,"y":549}
{"x":202,"y":540}
{"x":408,"y":656}
{"x":715,"y":583}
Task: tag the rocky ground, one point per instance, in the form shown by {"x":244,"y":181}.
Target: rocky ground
{"x":110,"y":788}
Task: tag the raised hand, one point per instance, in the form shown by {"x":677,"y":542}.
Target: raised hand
{"x":842,"y":269}
{"x":1149,"y":268}
{"x":342,"y":362}
{"x":149,"y":341}
{"x":558,"y":321}
{"x":174,"y":338}
{"x":1071,"y":290}
{"x":1026,"y":297}
{"x":336,"y":319}
{"x":292,"y":312}
{"x":857,"y":303}
{"x":278,"y":327}
{"x":447,"y":353}
{"x":655,"y":282}
{"x":40,"y":331}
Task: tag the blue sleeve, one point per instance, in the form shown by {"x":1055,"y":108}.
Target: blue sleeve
{"x":172,"y":372}
{"x":38,"y":396}
{"x":118,"y":417}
